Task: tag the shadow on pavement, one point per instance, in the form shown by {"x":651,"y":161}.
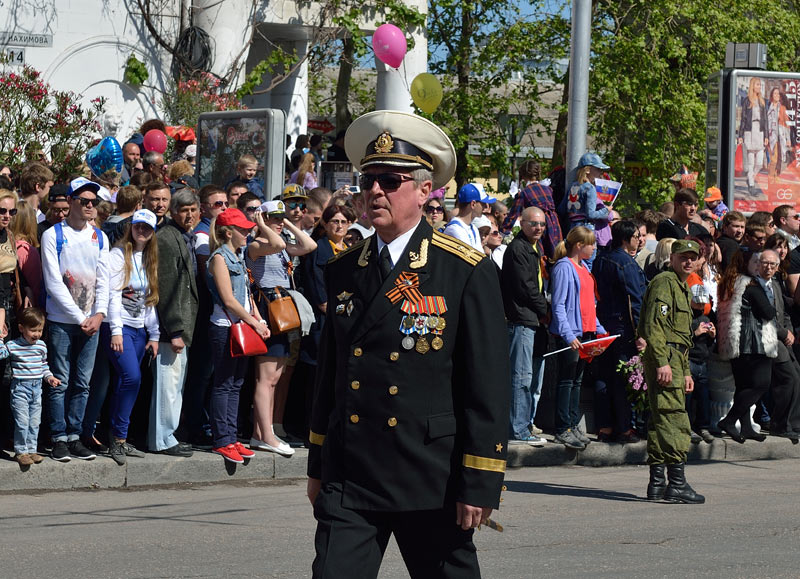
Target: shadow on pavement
{"x":570,"y":491}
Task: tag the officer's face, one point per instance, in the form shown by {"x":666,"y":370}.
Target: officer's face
{"x":683,"y":263}
{"x":394,"y":210}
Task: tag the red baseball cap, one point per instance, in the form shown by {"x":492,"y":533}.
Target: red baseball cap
{"x":234,"y":217}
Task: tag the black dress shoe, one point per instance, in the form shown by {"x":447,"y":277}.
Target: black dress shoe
{"x":731,"y":431}
{"x":791,"y":435}
{"x":177,"y":450}
{"x":629,"y":437}
{"x":755,"y":436}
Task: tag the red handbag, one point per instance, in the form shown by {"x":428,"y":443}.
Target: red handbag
{"x":738,"y":161}
{"x":245,"y":341}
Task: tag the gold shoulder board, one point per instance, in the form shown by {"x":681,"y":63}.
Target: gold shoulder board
{"x":350,"y":249}
{"x":457,"y":247}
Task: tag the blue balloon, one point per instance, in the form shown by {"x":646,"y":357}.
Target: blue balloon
{"x":106,"y":155}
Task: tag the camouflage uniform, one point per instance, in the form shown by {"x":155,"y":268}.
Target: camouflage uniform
{"x":665,"y":325}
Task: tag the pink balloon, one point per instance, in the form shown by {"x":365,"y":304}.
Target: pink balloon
{"x":155,"y":140}
{"x":389,"y":44}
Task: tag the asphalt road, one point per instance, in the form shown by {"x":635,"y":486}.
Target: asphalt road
{"x":559,"y":522}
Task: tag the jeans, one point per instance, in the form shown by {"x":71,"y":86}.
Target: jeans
{"x":129,"y":378}
{"x":702,"y":401}
{"x":568,"y":393}
{"x":228,"y":379}
{"x":71,"y":354}
{"x":527,"y":373}
{"x":169,"y":376}
{"x":26,"y":406}
{"x":98,"y":385}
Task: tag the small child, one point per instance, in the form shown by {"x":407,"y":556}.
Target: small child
{"x":713,"y":201}
{"x":246,"y":169}
{"x":28,"y":356}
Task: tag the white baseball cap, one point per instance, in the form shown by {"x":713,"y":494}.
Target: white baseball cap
{"x":145,"y":216}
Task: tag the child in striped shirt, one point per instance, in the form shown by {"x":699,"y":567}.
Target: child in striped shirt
{"x":28,"y":357}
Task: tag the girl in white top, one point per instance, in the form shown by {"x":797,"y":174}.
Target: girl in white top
{"x":132,"y":325}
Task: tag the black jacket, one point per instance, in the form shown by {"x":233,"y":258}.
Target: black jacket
{"x":412,"y":429}
{"x":523,"y":302}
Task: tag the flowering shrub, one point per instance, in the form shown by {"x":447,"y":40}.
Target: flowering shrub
{"x":636,"y":386}
{"x":185,"y":100}
{"x":34,"y":116}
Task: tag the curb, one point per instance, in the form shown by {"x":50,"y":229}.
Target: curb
{"x":205,"y":467}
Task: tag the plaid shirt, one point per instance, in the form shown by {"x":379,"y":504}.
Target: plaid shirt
{"x":536,"y":195}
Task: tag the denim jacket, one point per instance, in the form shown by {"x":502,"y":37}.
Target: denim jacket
{"x":238,"y":273}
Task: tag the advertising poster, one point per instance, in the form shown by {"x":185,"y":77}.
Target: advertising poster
{"x":223,"y":140}
{"x":765,"y":137}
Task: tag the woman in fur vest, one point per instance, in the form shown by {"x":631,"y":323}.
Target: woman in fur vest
{"x":747,"y":336}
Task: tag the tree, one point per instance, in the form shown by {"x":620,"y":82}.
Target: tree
{"x":650,"y":62}
{"x":495,"y":64}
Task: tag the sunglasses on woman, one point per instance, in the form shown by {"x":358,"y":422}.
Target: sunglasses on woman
{"x":11,"y":212}
{"x":434,"y":209}
{"x":386,"y":181}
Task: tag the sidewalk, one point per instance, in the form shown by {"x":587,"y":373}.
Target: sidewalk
{"x":204,"y":467}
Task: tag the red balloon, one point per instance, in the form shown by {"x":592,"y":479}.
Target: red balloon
{"x":155,"y":140}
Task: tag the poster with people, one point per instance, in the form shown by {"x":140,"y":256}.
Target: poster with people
{"x":765,"y":137}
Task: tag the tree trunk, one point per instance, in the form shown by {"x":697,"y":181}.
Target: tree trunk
{"x":343,"y":84}
{"x":560,"y":137}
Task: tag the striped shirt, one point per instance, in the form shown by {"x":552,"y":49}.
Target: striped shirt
{"x":28,"y":361}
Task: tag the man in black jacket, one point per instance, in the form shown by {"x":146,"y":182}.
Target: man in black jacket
{"x":524,"y":304}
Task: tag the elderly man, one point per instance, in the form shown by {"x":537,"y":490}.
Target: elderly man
{"x":409,"y":423}
{"x":525,"y":304}
{"x":153,"y":163}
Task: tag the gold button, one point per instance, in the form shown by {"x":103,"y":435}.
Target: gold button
{"x":357,"y":352}
{"x":392,"y":421}
{"x":354,"y":418}
{"x":355,"y":384}
{"x":394,"y":356}
{"x":393,"y":390}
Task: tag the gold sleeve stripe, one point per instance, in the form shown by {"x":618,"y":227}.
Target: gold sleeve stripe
{"x":457,"y":247}
{"x":350,"y":249}
{"x":315,"y":438}
{"x":481,"y":463}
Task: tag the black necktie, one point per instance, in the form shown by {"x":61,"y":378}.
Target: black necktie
{"x":385,"y":262}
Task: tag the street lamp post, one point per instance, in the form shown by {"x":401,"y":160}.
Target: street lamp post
{"x":580,"y":43}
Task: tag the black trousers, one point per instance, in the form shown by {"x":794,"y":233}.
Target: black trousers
{"x":350,"y":543}
{"x":752,"y":374}
{"x":785,"y":392}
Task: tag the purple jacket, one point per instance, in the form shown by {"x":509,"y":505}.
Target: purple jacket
{"x":565,"y":302}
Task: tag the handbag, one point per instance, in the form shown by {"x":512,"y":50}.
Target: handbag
{"x":283,"y":316}
{"x":738,"y":163}
{"x":245,"y":341}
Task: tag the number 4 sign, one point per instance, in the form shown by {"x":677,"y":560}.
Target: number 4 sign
{"x":15,"y":56}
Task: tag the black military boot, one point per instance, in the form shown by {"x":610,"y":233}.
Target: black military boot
{"x":658,"y":482}
{"x":678,"y":490}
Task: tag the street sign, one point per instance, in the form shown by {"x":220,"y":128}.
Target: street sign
{"x":16,"y":56}
{"x":25,"y":39}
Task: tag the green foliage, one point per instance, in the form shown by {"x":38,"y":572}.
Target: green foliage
{"x":482,"y":52}
{"x":650,"y":63}
{"x":278,"y":62}
{"x":34,"y":117}
{"x":135,"y":71}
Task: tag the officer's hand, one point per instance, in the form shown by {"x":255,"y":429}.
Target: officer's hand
{"x":312,"y":489}
{"x":664,"y":375}
{"x":688,"y":384}
{"x":470,"y":517}
{"x":575,"y":344}
{"x":641,"y":344}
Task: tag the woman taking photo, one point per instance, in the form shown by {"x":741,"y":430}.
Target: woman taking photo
{"x":574,"y":322}
{"x":229,"y":284}
{"x":132,"y":324}
{"x":747,"y":335}
{"x":269,"y":258}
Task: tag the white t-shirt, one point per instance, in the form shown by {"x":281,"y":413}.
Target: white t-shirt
{"x":469,"y":234}
{"x":124,"y":305}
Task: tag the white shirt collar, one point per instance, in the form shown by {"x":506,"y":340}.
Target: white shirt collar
{"x":398,"y":245}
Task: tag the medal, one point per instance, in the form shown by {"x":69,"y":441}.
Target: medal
{"x":441,"y":324}
{"x":437,"y":343}
{"x":433,"y":321}
{"x":420,"y":324}
{"x":408,"y":322}
{"x":407,"y":343}
{"x":422,"y":345}
{"x":339,"y":309}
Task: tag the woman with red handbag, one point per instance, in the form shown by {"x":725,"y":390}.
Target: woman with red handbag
{"x":228,"y":284}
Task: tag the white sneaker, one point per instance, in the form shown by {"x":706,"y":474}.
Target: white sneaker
{"x":283,"y":449}
{"x":532,"y":440}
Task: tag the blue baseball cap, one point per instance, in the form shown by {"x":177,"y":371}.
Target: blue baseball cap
{"x":592,"y":160}
{"x":82,"y":184}
{"x":471,"y":192}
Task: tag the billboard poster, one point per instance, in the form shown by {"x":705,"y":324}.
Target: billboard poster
{"x":765,"y":139}
{"x":223,"y":140}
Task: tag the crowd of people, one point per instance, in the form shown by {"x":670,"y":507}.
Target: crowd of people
{"x":120,"y":295}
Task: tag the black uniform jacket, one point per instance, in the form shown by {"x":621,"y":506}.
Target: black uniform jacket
{"x":399,"y":429}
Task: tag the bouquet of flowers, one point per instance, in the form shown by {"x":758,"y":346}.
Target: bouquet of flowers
{"x":637,"y":387}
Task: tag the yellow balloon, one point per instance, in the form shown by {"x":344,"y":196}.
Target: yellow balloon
{"x":426,"y":91}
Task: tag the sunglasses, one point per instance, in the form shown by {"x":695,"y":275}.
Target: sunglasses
{"x":536,"y":223}
{"x":292,"y":205}
{"x":386,"y":181}
{"x":219,"y":204}
{"x":11,"y":212}
{"x":86,"y":201}
{"x":432,"y":209}
{"x":251,"y":209}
